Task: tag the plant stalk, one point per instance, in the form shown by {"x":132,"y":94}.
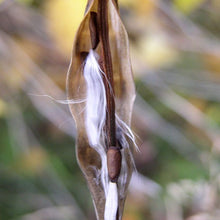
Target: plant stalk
{"x":104,"y":39}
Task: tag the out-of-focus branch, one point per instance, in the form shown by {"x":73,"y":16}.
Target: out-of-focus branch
{"x":159,"y":126}
{"x":205,"y":41}
{"x":53,"y":213}
{"x":203,"y":86}
{"x":144,"y":186}
{"x":183,"y":107}
{"x":50,"y":110}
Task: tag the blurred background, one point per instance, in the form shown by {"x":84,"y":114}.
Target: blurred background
{"x":175,"y":52}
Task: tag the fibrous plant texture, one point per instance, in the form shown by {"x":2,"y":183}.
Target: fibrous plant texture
{"x":100,"y":73}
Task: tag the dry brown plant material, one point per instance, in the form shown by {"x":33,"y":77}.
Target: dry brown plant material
{"x":103,"y":32}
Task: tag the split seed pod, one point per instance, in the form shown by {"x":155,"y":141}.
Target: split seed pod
{"x":89,"y":158}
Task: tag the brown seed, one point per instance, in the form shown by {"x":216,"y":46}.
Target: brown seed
{"x":114,"y":163}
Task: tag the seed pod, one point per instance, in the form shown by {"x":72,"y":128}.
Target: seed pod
{"x":114,"y":163}
{"x":124,"y":93}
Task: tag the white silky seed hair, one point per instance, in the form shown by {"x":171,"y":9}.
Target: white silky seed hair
{"x":95,"y":99}
{"x":95,"y":111}
{"x":95,"y":116}
{"x":111,"y":204}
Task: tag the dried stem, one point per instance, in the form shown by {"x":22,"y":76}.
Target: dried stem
{"x":104,"y":38}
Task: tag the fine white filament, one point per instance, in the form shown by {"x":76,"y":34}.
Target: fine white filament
{"x":61,"y":101}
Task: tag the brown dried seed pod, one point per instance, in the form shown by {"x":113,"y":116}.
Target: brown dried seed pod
{"x":114,"y":163}
{"x":124,"y":93}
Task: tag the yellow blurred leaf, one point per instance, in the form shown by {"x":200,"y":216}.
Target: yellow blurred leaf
{"x":64,"y":17}
{"x":187,"y":6}
{"x":139,"y":6}
{"x":198,"y":103}
{"x":132,"y":211}
{"x":212,"y":63}
{"x":16,"y":81}
{"x":33,"y":162}
{"x":156,"y":51}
